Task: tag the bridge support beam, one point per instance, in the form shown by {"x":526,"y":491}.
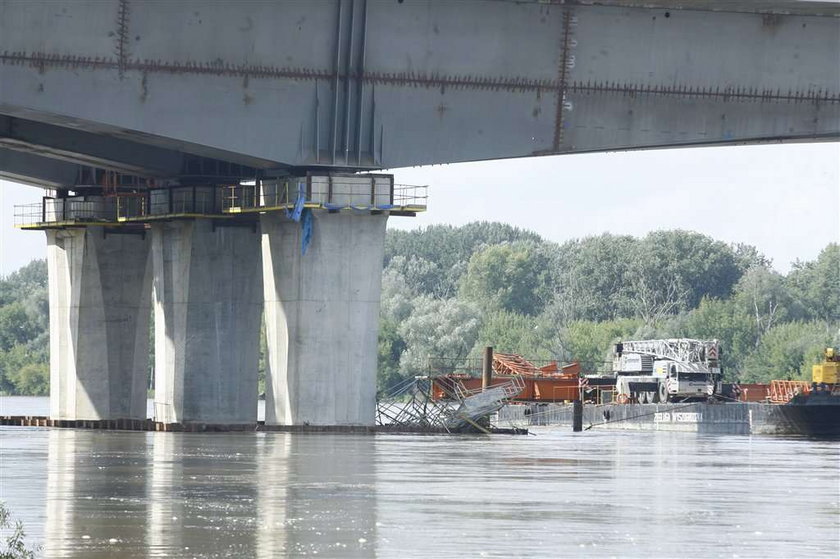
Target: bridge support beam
{"x":99,"y":288}
{"x":208,"y":305}
{"x":322,"y":318}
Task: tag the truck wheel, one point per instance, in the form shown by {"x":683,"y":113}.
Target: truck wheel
{"x":663,"y":394}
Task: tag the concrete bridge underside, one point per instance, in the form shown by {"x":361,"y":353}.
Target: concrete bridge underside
{"x":199,"y":92}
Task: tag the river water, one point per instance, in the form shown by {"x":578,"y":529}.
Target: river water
{"x":552,"y":494}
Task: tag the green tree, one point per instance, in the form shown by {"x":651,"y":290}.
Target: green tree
{"x":17,"y":326}
{"x":390,"y":350}
{"x":535,"y":338}
{"x":816,"y":285}
{"x":27,"y":280}
{"x":591,"y":279}
{"x":747,"y":256}
{"x":32,"y":379}
{"x":449,"y":249}
{"x":591,"y":343}
{"x":421,"y":275}
{"x":762,"y":294}
{"x":788,"y":351}
{"x":437,"y":328}
{"x":15,"y":542}
{"x":396,"y":297}
{"x":724,"y":321}
{"x":24,"y":330}
{"x":698,"y":265}
{"x":507,"y":277}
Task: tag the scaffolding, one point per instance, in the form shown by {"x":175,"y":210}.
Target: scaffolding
{"x":411,"y":404}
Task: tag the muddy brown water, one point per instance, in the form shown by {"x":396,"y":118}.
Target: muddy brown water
{"x":552,"y":494}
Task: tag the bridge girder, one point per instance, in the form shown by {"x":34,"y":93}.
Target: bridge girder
{"x":370,"y":84}
{"x":68,"y":144}
{"x":35,"y":170}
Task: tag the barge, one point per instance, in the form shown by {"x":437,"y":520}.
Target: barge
{"x":816,"y":414}
{"x":734,"y":418}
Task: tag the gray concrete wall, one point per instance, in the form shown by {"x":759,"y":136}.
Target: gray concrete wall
{"x":99,"y":288}
{"x":307,"y":84}
{"x":207,"y":302}
{"x":322,"y":317}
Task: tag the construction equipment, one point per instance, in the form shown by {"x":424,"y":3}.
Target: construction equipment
{"x":829,"y":370}
{"x":669,"y":370}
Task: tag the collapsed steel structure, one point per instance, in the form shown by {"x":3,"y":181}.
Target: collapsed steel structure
{"x":411,"y":404}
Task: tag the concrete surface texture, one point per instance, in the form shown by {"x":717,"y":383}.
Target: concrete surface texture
{"x":99,"y":289}
{"x":322,"y":317}
{"x":143,"y":87}
{"x":207,"y":307}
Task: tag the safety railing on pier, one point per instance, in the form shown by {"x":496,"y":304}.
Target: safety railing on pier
{"x":132,"y":206}
{"x":351,"y":193}
{"x":164,"y":203}
{"x":411,"y":197}
{"x":64,"y":212}
{"x":27,"y":215}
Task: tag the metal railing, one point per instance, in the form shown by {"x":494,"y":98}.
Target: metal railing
{"x":64,"y":210}
{"x":411,"y":196}
{"x":184,"y":201}
{"x":171,"y":201}
{"x":29,"y":214}
{"x":331,"y":193}
{"x":131,"y":206}
{"x":238,"y":196}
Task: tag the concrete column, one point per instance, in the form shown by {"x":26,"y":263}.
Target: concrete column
{"x":208,"y":305}
{"x":322,"y":318}
{"x":99,"y":290}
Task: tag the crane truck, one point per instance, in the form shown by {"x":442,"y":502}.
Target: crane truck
{"x":671,"y":370}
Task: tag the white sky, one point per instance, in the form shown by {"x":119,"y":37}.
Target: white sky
{"x":784,"y":199}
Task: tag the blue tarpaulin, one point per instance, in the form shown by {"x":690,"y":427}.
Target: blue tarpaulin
{"x":297,"y":211}
{"x":306,"y":230}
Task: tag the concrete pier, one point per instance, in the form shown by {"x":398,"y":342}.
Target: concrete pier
{"x":99,"y":285}
{"x":207,"y":305}
{"x":322,"y":316}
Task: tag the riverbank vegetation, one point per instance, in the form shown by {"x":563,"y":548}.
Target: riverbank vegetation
{"x":449,"y":291}
{"x":14,"y":538}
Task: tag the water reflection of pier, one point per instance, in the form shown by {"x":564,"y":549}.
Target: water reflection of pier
{"x":172,"y":494}
{"x":96,"y":493}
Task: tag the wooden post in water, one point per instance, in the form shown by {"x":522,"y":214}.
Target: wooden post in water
{"x":577,"y":415}
{"x":487,"y":368}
